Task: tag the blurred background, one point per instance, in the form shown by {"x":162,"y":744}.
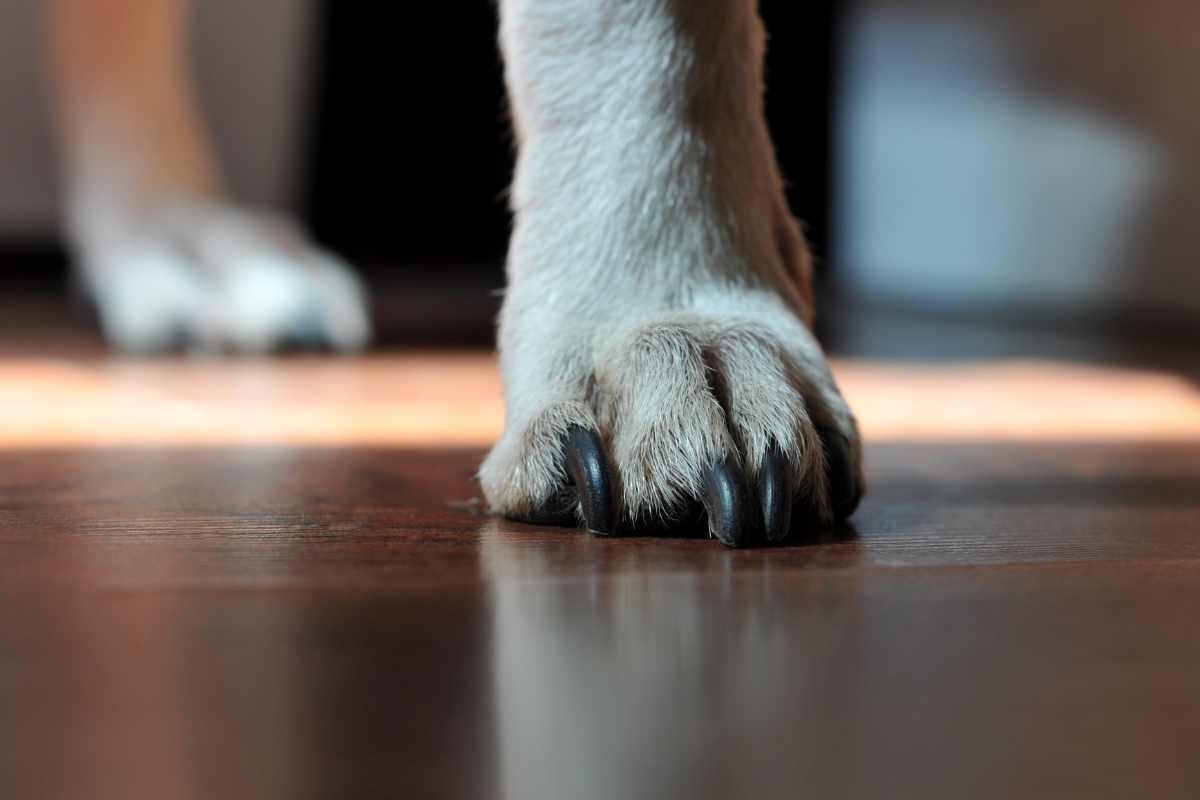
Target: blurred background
{"x":954,"y":160}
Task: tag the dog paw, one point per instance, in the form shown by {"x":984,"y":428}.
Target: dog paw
{"x":208,"y":277}
{"x":726,"y":408}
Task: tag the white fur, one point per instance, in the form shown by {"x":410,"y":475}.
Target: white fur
{"x":657,"y":282}
{"x":213,"y":277}
{"x":169,"y":266}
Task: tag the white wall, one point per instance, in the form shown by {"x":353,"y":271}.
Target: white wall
{"x":252,"y":61}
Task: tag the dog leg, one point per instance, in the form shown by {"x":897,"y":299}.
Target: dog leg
{"x":166,"y":258}
{"x":654,"y":339}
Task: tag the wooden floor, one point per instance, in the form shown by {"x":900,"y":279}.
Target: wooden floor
{"x":274,"y":580}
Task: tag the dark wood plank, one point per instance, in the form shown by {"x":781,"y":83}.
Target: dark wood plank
{"x":1002,"y":621}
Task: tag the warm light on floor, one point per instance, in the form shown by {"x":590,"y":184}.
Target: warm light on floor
{"x":454,"y":399}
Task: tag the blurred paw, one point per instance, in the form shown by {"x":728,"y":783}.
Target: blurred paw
{"x":204,"y":276}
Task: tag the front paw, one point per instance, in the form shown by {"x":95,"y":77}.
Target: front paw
{"x":681,"y":414}
{"x":205,"y":276}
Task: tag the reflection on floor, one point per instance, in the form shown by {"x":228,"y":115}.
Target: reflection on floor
{"x":269,"y":579}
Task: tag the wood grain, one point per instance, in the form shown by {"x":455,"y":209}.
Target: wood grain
{"x":272,"y":579}
{"x":1003,"y":620}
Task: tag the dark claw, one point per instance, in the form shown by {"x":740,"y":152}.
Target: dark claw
{"x":558,"y":511}
{"x":775,"y":496}
{"x":590,"y":488}
{"x":844,"y":486}
{"x":306,"y":333}
{"x":732,"y":516}
{"x":588,"y":467}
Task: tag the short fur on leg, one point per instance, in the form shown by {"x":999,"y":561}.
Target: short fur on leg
{"x":658,"y":288}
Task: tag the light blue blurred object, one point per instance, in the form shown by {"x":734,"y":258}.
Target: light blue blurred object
{"x":960,"y":189}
